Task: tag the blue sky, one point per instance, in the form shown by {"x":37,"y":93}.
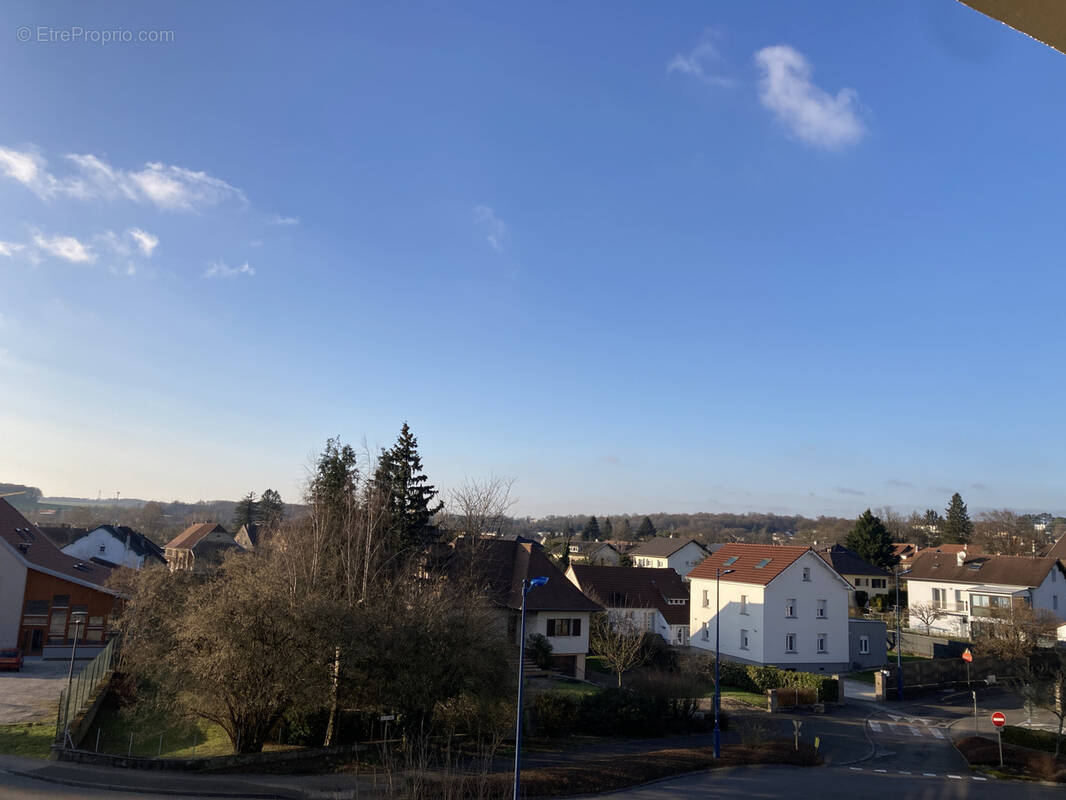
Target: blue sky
{"x":741,"y":256}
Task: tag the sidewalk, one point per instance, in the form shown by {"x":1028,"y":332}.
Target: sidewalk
{"x":279,"y":787}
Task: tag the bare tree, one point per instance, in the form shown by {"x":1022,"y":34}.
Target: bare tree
{"x":927,"y":614}
{"x":1014,"y":632}
{"x":476,"y":507}
{"x":618,"y":641}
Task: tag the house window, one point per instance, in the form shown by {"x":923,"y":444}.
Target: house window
{"x":743,"y":639}
{"x":1055,"y":602}
{"x":821,"y":609}
{"x":706,"y":633}
{"x":790,"y":643}
{"x":743,"y":604}
{"x":858,"y":581}
{"x":939,"y":598}
{"x":564,"y":627}
{"x":706,"y":598}
{"x":790,"y":607}
{"x":822,"y":639}
{"x":877,"y":583}
{"x":806,"y":573}
{"x":103,"y":549}
{"x":730,"y":561}
{"x":864,"y":645}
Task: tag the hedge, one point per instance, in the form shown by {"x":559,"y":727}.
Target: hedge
{"x":752,"y":678}
{"x":621,"y":712}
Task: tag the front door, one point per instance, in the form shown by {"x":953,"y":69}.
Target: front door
{"x":32,"y":641}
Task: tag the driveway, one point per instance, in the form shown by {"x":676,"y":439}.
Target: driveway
{"x":32,"y":694}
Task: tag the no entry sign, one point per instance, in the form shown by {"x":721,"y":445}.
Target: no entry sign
{"x":998,"y":719}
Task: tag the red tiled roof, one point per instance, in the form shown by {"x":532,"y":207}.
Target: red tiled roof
{"x":38,"y":552}
{"x":748,"y":556}
{"x":191,"y":536}
{"x":636,"y":587}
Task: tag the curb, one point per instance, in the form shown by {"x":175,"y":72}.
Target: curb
{"x":153,"y":790}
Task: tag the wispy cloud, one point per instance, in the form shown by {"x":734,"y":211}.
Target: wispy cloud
{"x":10,"y":248}
{"x":219,"y":269}
{"x":847,"y":490}
{"x":145,"y":241}
{"x":899,"y":484}
{"x":495,"y":229}
{"x":166,"y":186}
{"x":612,"y":459}
{"x":701,"y":61}
{"x":979,"y":487}
{"x":812,"y":114}
{"x":277,"y":219}
{"x":66,"y":247}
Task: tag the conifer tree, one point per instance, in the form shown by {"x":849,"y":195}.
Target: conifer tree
{"x":871,"y":540}
{"x":246,"y":511}
{"x":957,"y":527}
{"x":646,"y":529}
{"x":608,"y":529}
{"x":408,"y":495}
{"x":591,"y":530}
{"x":626,"y":534}
{"x":271,"y":510}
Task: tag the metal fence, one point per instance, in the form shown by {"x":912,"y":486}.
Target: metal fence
{"x":82,"y":688}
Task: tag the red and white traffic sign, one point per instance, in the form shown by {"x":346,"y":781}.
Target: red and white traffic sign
{"x":998,"y":719}
{"x":967,"y":656}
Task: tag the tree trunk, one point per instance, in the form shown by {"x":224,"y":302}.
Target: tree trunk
{"x":334,"y":698}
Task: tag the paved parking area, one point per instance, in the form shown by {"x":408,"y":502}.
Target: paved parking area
{"x":31,"y":695}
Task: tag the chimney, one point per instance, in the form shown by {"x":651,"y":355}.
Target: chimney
{"x":960,"y":558}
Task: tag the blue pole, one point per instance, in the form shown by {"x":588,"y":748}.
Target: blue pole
{"x":717,"y":685}
{"x":521,"y":672}
{"x":899,"y":646}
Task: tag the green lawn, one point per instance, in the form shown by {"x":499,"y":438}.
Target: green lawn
{"x":28,"y":739}
{"x":146,"y":726}
{"x":576,"y":689}
{"x":743,"y":696}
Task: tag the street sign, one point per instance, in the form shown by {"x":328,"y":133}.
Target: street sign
{"x":967,"y":656}
{"x":387,"y":717}
{"x":999,"y":719}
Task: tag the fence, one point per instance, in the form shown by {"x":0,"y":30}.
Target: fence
{"x":73,"y":699}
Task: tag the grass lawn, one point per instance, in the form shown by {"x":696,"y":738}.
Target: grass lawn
{"x":28,"y":739}
{"x":575,"y":689}
{"x":743,"y":696}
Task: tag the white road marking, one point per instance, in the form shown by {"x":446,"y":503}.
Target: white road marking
{"x":955,"y":777}
{"x":903,"y":772}
{"x":895,"y":717}
{"x":857,"y":769}
{"x":976,"y":778}
{"x":936,"y":732}
{"x":880,"y":770}
{"x":929,"y":774}
{"x":914,"y":731}
{"x":875,"y":725}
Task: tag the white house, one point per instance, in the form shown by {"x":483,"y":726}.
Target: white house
{"x":680,"y":555}
{"x":116,"y":546}
{"x":780,"y":606}
{"x":653,"y":600}
{"x":966,"y":588}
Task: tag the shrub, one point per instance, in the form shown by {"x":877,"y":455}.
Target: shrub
{"x":556,"y":713}
{"x":880,"y":602}
{"x":539,"y":649}
{"x":657,"y":653}
{"x":861,"y":598}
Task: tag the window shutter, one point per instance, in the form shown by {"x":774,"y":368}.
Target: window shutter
{"x":551,"y":627}
{"x":575,"y":627}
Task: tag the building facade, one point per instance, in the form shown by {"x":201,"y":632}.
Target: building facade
{"x":680,"y":555}
{"x":117,"y":546}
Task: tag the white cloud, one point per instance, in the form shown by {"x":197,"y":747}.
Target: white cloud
{"x":145,"y":241}
{"x":10,"y":248}
{"x":219,"y":269}
{"x":66,"y":247}
{"x":166,"y":186}
{"x":277,"y":219}
{"x":700,"y":61}
{"x":812,"y":114}
{"x":495,"y":229}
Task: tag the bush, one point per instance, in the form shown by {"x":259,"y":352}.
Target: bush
{"x":861,"y":598}
{"x":752,"y":678}
{"x":539,"y":649}
{"x":657,"y":653}
{"x":556,"y":713}
{"x":880,"y":602}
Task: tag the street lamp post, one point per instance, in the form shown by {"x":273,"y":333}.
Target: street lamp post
{"x":899,"y":641}
{"x":70,"y":673}
{"x":527,"y":584}
{"x":718,"y":573}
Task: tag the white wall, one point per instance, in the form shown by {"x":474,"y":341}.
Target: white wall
{"x":701,"y":618}
{"x":686,"y":559}
{"x":88,"y":547}
{"x":12,"y":592}
{"x":1051,"y":594}
{"x":823,"y":585}
{"x":537,"y":622}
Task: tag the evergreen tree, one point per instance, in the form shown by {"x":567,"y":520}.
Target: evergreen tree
{"x":246,"y":511}
{"x":608,"y":529}
{"x":271,"y":509}
{"x":408,"y":495}
{"x":626,"y":535}
{"x":591,"y":530}
{"x":871,"y":540}
{"x":957,"y":527}
{"x":646,"y":529}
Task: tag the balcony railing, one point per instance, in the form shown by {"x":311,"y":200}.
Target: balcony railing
{"x":953,"y":607}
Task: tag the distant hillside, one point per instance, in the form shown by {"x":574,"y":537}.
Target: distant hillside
{"x":24,"y":498}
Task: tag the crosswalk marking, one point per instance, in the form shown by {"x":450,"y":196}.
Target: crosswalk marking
{"x":875,"y":725}
{"x":914,"y":731}
{"x":936,"y":732}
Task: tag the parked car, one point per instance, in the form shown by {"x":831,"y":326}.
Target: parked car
{"x":11,"y":659}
